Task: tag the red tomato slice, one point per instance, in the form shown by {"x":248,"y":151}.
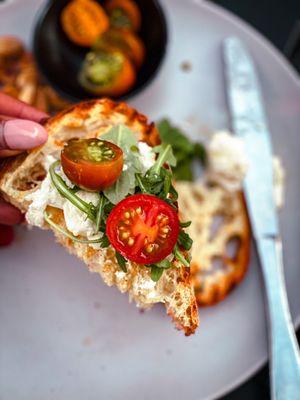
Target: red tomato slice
{"x":92,"y":164}
{"x":6,"y":235}
{"x":143,"y":228}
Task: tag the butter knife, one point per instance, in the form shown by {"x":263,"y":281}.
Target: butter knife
{"x":249,"y":123}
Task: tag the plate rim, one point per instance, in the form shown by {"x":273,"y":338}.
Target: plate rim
{"x":219,"y":12}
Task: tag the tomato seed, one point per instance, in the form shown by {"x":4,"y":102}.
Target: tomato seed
{"x":125,"y":235}
{"x":149,"y":248}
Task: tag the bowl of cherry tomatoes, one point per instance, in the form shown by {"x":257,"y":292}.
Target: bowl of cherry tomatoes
{"x":93,"y":48}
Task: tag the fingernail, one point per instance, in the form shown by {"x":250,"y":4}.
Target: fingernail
{"x":22,"y":134}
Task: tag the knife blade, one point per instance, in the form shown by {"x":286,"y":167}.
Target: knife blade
{"x":249,"y":122}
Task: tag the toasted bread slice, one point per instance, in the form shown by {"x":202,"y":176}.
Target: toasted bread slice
{"x":23,"y":175}
{"x":221,"y":235}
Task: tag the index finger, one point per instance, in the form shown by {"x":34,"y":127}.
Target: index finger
{"x":18,"y":109}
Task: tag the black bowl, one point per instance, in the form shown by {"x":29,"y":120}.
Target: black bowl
{"x":59,"y":60}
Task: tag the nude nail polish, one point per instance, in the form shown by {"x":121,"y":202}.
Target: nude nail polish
{"x":22,"y":134}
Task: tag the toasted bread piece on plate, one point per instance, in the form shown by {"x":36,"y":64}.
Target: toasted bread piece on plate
{"x":221,"y":233}
{"x":23,"y":175}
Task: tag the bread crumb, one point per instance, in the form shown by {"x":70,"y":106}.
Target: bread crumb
{"x":186,"y":66}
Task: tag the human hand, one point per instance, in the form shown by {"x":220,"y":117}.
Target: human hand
{"x":20,"y":129}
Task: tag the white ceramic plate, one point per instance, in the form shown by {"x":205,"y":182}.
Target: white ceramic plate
{"x":65,"y":335}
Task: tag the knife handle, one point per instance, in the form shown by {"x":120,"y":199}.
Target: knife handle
{"x":284,"y":351}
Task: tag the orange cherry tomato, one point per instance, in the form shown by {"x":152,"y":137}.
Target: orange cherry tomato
{"x":92,"y":164}
{"x":124,"y":14}
{"x":143,"y":228}
{"x":107,"y":73}
{"x":84,"y":21}
{"x":126,"y":41}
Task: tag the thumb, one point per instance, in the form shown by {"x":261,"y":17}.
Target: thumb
{"x":21,"y":134}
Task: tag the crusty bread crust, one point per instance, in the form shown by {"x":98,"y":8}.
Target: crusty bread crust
{"x":221,"y":234}
{"x":23,"y":175}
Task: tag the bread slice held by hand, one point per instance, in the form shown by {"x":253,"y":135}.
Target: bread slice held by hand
{"x":23,"y":175}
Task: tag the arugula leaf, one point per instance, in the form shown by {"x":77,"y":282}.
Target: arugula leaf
{"x":185,"y":224}
{"x":173,"y":193}
{"x":124,"y":185}
{"x":184,"y":240}
{"x":122,"y":136}
{"x":107,"y":208}
{"x":184,"y":150}
{"x":104,"y":242}
{"x":75,"y":189}
{"x":66,"y":233}
{"x":158,"y":269}
{"x":165,"y":156}
{"x":200,"y":152}
{"x":184,"y":170}
{"x":100,"y":210}
{"x":180,"y":257}
{"x":121,"y":261}
{"x":167,"y":184}
{"x":63,"y":189}
{"x":140,"y":183}
{"x":158,"y":185}
{"x":150,"y":183}
{"x":158,"y":180}
{"x":173,"y":136}
{"x":126,"y":140}
{"x":156,"y":273}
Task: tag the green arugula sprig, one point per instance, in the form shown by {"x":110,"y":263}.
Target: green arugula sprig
{"x":121,"y":261}
{"x":100,"y":211}
{"x":156,"y":181}
{"x":185,"y":151}
{"x":64,"y":190}
{"x":180,"y":257}
{"x":184,"y":240}
{"x":158,"y":269}
{"x":123,"y":137}
{"x":66,"y":233}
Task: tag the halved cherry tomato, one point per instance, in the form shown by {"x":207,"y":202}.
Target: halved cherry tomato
{"x":83,"y":21}
{"x":126,"y":41}
{"x":108,"y":73}
{"x":6,"y":235}
{"x":92,"y":164}
{"x":124,"y":14}
{"x":143,"y":228}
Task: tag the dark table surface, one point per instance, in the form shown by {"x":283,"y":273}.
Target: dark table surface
{"x":279,"y":21}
